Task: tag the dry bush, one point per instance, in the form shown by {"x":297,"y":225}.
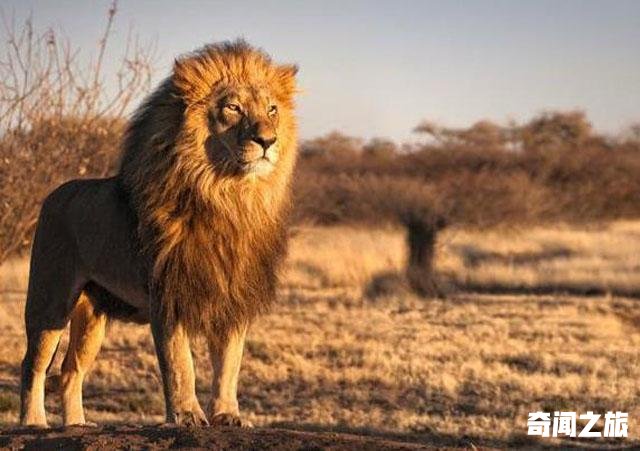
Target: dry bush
{"x":554,"y":129}
{"x":58,"y":120}
{"x":552,"y":168}
{"x":549,"y":129}
{"x":484,"y":133}
{"x":351,"y":198}
{"x":630,"y":138}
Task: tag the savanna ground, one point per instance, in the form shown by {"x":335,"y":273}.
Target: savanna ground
{"x":460,"y":371}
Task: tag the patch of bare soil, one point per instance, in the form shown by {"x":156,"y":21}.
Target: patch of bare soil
{"x":164,"y":437}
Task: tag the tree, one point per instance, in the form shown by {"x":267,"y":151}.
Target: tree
{"x":334,"y":144}
{"x":630,"y":138}
{"x":380,"y":148}
{"x":483,"y":134}
{"x":556,"y":129}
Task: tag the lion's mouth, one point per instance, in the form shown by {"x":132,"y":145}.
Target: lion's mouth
{"x":259,"y":166}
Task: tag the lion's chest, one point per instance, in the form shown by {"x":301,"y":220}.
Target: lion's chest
{"x":223,"y":257}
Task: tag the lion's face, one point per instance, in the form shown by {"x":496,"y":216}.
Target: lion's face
{"x":243,"y":122}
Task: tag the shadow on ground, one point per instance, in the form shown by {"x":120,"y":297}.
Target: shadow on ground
{"x":284,"y":436}
{"x":163,"y":437}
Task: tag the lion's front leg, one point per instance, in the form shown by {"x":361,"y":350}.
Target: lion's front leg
{"x":178,"y":378}
{"x":226,"y":357}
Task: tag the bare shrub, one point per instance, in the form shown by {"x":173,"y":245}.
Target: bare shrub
{"x":484,"y":133}
{"x":555,"y":129}
{"x":58,"y":119}
{"x":327,"y":199}
{"x":480,"y":176}
{"x":547,"y":130}
{"x":630,"y":138}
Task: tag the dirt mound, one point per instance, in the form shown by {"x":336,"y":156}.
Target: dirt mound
{"x":162,"y":437}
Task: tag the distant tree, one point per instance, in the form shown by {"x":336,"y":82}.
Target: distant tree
{"x":434,"y":130}
{"x":634,"y":132}
{"x":630,"y":138}
{"x":481,"y":135}
{"x":334,"y":144}
{"x":556,"y":129}
{"x":380,"y":148}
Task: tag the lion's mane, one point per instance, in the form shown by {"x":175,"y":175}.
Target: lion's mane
{"x":213,"y":241}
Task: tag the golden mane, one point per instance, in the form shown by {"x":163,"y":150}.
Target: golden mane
{"x":214,"y":240}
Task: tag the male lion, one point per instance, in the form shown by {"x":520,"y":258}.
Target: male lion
{"x":187,"y":236}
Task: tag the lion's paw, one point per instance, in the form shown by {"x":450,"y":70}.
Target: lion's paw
{"x":231,"y":420}
{"x":190,"y":418}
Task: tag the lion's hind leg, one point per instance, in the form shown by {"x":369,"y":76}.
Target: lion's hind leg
{"x":41,"y":348}
{"x":54,"y":285}
{"x":85,"y":338}
{"x":46,"y":316}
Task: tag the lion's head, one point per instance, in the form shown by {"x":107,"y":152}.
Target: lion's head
{"x":225,"y":115}
{"x":243,"y":103}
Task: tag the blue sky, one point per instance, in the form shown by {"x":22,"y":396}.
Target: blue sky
{"x":376,"y":68}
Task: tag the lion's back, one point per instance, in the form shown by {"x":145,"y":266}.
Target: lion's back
{"x":92,"y":218}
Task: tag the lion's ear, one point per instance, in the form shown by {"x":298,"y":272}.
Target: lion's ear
{"x":192,"y":78}
{"x":289,"y":70}
{"x":286,"y":75}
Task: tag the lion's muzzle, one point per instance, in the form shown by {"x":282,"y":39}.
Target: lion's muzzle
{"x":259,"y":153}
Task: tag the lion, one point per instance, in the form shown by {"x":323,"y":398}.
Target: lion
{"x":188,"y":236}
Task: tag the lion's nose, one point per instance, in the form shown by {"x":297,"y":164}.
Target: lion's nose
{"x":265,"y":141}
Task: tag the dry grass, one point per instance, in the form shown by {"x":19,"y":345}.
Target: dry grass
{"x":596,"y":260}
{"x":588,"y":260}
{"x":456,"y":371}
{"x":326,"y":257}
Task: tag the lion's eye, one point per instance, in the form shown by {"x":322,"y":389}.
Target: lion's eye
{"x":273,"y":109}
{"x":233,"y":107}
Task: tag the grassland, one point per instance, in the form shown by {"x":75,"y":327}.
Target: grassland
{"x":457,"y":371}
